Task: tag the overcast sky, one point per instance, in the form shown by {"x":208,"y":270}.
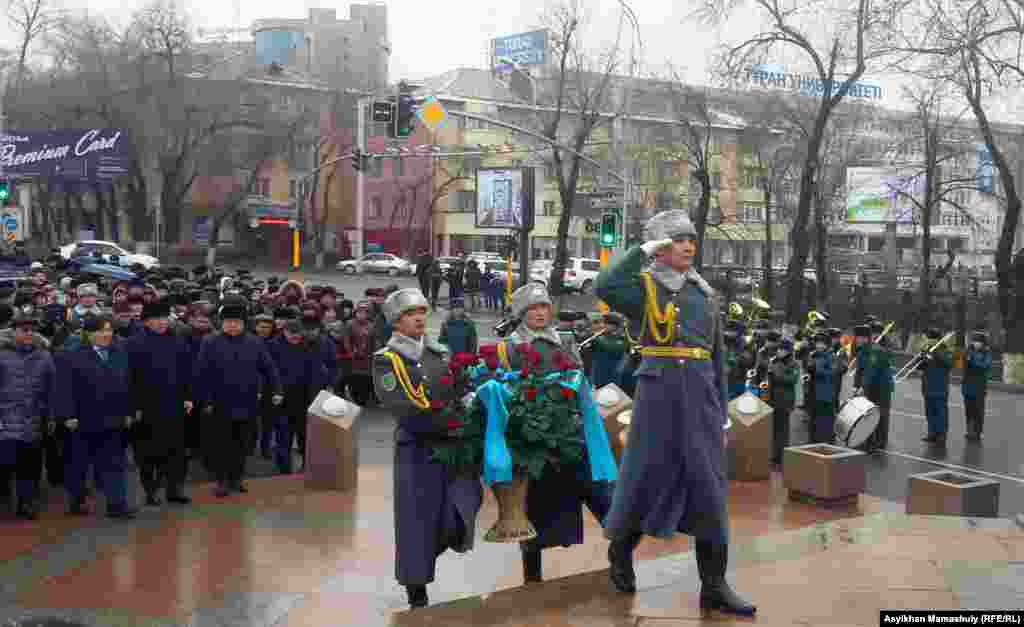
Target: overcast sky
{"x":433,"y":36}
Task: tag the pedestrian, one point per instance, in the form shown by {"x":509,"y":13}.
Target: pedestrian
{"x":977,"y":368}
{"x":226,"y":382}
{"x":821,"y":374}
{"x":455,"y":277}
{"x":88,"y":294}
{"x":320,"y":343}
{"x":303,"y":374}
{"x":672,"y":478}
{"x":94,"y":405}
{"x":199,"y":327}
{"x":423,"y":269}
{"x":458,"y":331}
{"x":784,"y":373}
{"x":355,"y":342}
{"x":27,"y":387}
{"x":473,"y":284}
{"x":436,"y":279}
{"x":159,"y":384}
{"x":435,"y":505}
{"x":936,"y":363}
{"x":265,"y":328}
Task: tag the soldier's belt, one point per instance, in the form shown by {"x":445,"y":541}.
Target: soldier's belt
{"x":675,"y":352}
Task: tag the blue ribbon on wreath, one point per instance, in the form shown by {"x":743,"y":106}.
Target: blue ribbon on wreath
{"x":495,"y":396}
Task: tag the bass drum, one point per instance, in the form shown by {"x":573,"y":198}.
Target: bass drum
{"x":857,"y":420}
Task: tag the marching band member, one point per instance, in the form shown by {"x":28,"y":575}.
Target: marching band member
{"x":554,"y":504}
{"x":935,"y":389}
{"x":975,"y":384}
{"x":840,"y":365}
{"x":672,"y":478}
{"x":822,"y":371}
{"x":878,"y":384}
{"x":435,"y":508}
{"x":784,"y":373}
{"x":607,"y":351}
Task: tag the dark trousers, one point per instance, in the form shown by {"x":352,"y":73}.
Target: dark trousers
{"x":104,"y":452}
{"x":780,"y":431}
{"x":229,"y":441}
{"x":286,"y":429}
{"x":360,"y":388}
{"x":974,"y":408}
{"x":823,"y":423}
{"x":936,"y":412}
{"x":24,"y":460}
{"x":424,"y":282}
{"x":166,"y":469}
{"x":53,"y":451}
{"x":435,"y":288}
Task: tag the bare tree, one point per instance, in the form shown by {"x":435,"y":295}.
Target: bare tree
{"x":838,"y":64}
{"x":31,"y":20}
{"x":579,"y":99}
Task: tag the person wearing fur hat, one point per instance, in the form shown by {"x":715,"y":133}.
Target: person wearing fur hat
{"x":28,"y":375}
{"x":554,"y":503}
{"x":936,"y":366}
{"x":94,"y":405}
{"x":784,"y":374}
{"x":291,"y":293}
{"x":354,"y":355}
{"x":159,"y":381}
{"x":435,"y":505}
{"x":226,"y":382}
{"x":672,"y":478}
{"x":87,"y":294}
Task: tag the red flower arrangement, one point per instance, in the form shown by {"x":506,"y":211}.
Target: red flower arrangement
{"x":489,"y":353}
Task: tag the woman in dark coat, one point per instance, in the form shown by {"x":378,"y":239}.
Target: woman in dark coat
{"x":435,"y":506}
{"x":93,"y":402}
{"x":159,"y":377}
{"x":303,"y":375}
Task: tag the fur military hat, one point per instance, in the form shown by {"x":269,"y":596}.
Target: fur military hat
{"x":263,"y":317}
{"x":402,"y":301}
{"x":933,"y":333}
{"x":159,"y":309}
{"x":527,"y":296}
{"x":835,"y":333}
{"x":88,"y":289}
{"x":571,"y":316}
{"x":822,"y":338}
{"x":979,"y":336}
{"x":673,"y":224}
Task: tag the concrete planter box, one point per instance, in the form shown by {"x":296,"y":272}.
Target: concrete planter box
{"x":948,"y":493}
{"x":824,"y":473}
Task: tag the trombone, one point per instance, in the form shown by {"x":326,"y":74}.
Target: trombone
{"x":912,"y":365}
{"x":585,"y":343}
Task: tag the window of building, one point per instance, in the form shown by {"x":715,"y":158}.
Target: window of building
{"x":549,"y":208}
{"x":462,"y":201}
{"x":750,"y":214}
{"x":875,"y":244}
{"x":376,"y":207}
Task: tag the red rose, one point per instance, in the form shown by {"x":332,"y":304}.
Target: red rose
{"x":492,"y":362}
{"x":436,"y":404}
{"x":563,"y":363}
{"x":489,"y":350}
{"x":568,"y":393}
{"x":524,"y":348}
{"x":534,"y":358}
{"x":455,"y":424}
{"x":531,"y":393}
{"x":446,"y":379}
{"x":462,"y":360}
{"x":524,"y":371}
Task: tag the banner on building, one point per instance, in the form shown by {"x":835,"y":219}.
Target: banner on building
{"x":985,"y":171}
{"x":523,"y":49}
{"x":66,"y":155}
{"x":881,"y":195}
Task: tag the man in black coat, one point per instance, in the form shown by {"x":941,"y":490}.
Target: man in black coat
{"x":226,"y":382}
{"x":159,"y":377}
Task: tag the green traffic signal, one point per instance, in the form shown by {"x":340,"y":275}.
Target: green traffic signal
{"x":5,"y":191}
{"x":609,"y":230}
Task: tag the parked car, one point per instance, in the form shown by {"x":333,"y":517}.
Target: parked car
{"x":110,"y":252}
{"x":380,"y":263}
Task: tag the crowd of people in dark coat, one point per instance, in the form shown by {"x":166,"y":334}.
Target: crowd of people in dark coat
{"x":174,"y":367}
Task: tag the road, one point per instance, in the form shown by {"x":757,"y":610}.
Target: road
{"x":1000,"y":453}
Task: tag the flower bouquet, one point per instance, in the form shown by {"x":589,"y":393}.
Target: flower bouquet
{"x":454,"y":395}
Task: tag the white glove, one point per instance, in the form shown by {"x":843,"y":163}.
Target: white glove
{"x":650,"y":248}
{"x":277,"y":399}
{"x":71,"y":423}
{"x":468,"y":399}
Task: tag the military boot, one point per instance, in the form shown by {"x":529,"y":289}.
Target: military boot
{"x":532,"y":566}
{"x":620,"y":563}
{"x":417,"y":594}
{"x":715,"y":592}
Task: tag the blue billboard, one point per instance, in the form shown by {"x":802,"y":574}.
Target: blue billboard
{"x":522,"y":49}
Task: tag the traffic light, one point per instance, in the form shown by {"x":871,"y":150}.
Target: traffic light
{"x":5,"y":193}
{"x":404,"y":116}
{"x":609,"y":230}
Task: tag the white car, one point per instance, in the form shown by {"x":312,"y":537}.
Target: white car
{"x":580,"y":273}
{"x":108,"y":250}
{"x":383,"y":263}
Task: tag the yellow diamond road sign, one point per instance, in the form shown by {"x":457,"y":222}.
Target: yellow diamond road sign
{"x":432,"y":113}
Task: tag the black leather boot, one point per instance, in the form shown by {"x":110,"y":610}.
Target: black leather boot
{"x":715,"y":592}
{"x":417,"y":595}
{"x":532,"y":571}
{"x":620,"y":563}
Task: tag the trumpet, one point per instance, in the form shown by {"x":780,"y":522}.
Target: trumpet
{"x":506,"y":326}
{"x":758,"y":306}
{"x":585,"y":343}
{"x":912,"y":365}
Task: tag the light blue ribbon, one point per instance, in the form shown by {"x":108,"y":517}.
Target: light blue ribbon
{"x":495,"y":395}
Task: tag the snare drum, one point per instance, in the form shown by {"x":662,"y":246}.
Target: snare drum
{"x":857,"y":420}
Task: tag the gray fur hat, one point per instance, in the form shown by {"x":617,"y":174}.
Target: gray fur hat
{"x":672,"y":224}
{"x":399,"y":302}
{"x":528,"y":296}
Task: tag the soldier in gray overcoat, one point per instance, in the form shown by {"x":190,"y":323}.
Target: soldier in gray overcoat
{"x":554,"y":503}
{"x":435,"y":506}
{"x":671,"y":478}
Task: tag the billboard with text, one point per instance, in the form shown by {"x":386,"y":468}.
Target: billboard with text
{"x":504,"y":198}
{"x":881,"y":195}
